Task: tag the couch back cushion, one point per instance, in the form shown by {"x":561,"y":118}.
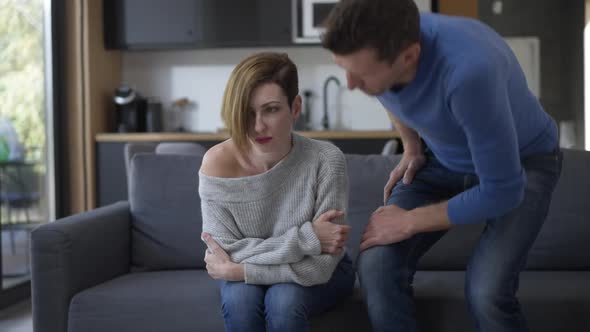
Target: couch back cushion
{"x":562,"y":243}
{"x":166,"y":212}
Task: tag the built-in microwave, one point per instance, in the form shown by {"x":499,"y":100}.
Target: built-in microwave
{"x":308,"y":16}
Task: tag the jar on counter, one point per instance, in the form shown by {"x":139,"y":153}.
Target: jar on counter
{"x":182,"y":116}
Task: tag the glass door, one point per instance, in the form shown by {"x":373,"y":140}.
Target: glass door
{"x":26,"y":143}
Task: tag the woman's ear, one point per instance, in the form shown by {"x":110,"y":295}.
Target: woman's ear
{"x":296,"y":108}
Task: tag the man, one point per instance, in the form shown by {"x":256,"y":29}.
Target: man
{"x":478,"y":147}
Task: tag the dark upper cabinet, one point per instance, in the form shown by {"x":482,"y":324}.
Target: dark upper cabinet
{"x":248,"y":22}
{"x":169,"y":24}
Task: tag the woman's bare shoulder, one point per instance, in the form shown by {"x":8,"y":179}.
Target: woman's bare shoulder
{"x":220,"y":160}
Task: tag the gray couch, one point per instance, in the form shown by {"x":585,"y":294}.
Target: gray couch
{"x":138,"y":265}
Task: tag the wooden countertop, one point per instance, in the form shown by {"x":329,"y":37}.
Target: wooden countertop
{"x":171,"y":136}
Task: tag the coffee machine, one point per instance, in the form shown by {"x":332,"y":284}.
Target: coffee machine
{"x":130,"y":110}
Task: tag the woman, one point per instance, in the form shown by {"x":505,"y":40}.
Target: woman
{"x":273,"y":206}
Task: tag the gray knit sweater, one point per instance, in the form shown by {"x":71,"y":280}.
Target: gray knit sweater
{"x":264,"y":221}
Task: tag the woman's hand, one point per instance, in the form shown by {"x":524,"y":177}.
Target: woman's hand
{"x":407,"y":168}
{"x":219,"y":265}
{"x":332,"y":236}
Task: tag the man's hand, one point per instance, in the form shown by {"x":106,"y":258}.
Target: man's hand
{"x":407,"y":168}
{"x":219,"y":264}
{"x":391,"y":224}
{"x":388,"y":224}
{"x":332,"y":236}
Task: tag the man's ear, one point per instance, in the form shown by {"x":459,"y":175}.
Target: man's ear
{"x":411,"y":54}
{"x":296,"y":108}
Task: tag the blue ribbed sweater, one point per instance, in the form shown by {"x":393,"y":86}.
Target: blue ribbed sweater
{"x":471,"y":104}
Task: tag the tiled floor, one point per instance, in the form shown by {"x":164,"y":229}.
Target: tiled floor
{"x":17,"y":318}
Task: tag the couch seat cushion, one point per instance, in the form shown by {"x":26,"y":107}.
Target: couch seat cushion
{"x":149,"y":301}
{"x":189,"y":301}
{"x":551,"y":300}
{"x":351,"y":315}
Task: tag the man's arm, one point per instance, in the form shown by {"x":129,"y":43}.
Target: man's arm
{"x":410,"y":138}
{"x":425,"y":219}
{"x":480,"y":104}
{"x":429,"y":218}
{"x":412,"y":160}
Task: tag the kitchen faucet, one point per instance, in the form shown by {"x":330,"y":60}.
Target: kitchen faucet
{"x":325,"y":121}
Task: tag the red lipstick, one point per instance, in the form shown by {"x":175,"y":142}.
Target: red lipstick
{"x":263,"y":140}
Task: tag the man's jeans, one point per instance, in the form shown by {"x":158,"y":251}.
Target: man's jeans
{"x":386,"y":272}
{"x":282,"y":307}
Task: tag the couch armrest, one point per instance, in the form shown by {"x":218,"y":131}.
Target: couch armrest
{"x":73,"y":254}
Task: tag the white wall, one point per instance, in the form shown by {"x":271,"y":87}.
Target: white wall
{"x":200,"y":75}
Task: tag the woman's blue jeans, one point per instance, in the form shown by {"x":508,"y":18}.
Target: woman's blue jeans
{"x":282,"y":307}
{"x":386,"y":272}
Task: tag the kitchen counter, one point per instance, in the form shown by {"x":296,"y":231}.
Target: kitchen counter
{"x":210,"y":136}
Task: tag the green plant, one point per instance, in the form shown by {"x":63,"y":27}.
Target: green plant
{"x":22,"y":69}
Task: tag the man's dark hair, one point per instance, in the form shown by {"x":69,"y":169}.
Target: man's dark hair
{"x":389,"y":26}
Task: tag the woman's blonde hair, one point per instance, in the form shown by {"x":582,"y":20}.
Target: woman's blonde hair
{"x":257,"y":69}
